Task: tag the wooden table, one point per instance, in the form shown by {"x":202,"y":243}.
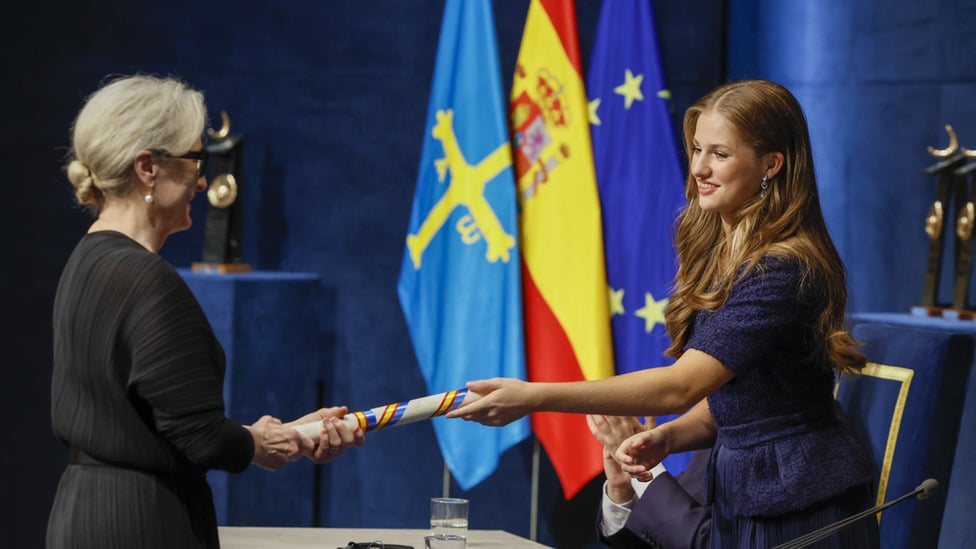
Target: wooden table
{"x":233,"y":537}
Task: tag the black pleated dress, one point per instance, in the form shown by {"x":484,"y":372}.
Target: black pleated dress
{"x":137,"y":395}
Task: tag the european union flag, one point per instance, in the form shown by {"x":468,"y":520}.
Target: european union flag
{"x":640,"y":181}
{"x":459,"y":282}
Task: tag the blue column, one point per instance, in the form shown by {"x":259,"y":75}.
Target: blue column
{"x":268,"y":324}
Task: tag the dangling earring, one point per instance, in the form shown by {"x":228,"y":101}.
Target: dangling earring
{"x":149,"y":197}
{"x":762,"y":187}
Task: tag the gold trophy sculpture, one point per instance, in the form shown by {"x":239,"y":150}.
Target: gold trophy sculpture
{"x":949,"y":159}
{"x":961,"y":307}
{"x":225,"y":215}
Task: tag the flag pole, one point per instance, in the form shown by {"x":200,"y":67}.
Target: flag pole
{"x":534,"y":497}
{"x":446,"y":482}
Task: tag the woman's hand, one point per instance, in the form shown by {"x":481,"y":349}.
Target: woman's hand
{"x":276,"y":444}
{"x":639,"y":453}
{"x":335,"y":435}
{"x":503,"y":400}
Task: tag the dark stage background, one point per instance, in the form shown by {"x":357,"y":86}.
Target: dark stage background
{"x":331,"y":97}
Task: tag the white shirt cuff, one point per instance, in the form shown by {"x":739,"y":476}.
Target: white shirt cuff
{"x":615,"y":515}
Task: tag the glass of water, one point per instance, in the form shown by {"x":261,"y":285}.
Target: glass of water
{"x":449,"y":516}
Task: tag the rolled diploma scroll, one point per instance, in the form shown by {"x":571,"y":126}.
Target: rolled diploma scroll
{"x":398,"y":413}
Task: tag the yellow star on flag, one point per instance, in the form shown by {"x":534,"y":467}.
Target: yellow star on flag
{"x":594,"y":117}
{"x":630,"y":89}
{"x":652,"y":312}
{"x":616,"y":302}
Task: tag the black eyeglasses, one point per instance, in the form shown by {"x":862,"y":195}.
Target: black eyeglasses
{"x":200,"y":156}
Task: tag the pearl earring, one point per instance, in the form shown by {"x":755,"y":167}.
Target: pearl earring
{"x":762,"y":187}
{"x":149,"y":197}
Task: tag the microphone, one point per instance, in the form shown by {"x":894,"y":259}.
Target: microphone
{"x":925,"y":490}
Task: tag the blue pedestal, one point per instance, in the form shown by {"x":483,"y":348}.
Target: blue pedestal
{"x":938,"y":436}
{"x":268,"y":324}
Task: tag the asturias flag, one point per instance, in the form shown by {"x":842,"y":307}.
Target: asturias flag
{"x":567,"y":324}
{"x":640,"y":181}
{"x":459,"y":282}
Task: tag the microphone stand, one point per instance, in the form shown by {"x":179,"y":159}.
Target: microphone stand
{"x":923,"y":491}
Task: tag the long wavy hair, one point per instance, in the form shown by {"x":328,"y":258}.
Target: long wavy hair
{"x":786,"y":222}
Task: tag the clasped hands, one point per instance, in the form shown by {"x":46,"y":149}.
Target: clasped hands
{"x":276,"y":443}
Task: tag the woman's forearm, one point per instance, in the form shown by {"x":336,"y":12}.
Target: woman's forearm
{"x":692,"y":431}
{"x":654,"y":391}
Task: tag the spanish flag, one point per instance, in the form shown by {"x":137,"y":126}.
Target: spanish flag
{"x":565,"y":296}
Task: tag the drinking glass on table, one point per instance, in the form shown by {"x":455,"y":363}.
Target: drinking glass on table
{"x":449,"y":516}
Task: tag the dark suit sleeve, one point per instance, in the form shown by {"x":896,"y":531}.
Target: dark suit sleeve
{"x":670,"y":514}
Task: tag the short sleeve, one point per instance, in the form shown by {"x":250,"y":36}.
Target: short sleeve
{"x":763,"y":312}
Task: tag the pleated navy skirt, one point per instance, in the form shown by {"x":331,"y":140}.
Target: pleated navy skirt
{"x":730,"y":532}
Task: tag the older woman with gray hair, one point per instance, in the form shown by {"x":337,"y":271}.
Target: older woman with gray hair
{"x":137,"y":383}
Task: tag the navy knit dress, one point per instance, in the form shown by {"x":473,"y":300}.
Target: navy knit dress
{"x":784,"y":462}
{"x":136,"y":394}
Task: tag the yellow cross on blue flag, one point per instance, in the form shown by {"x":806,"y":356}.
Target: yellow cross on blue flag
{"x":459,"y":281}
{"x":640,"y":182}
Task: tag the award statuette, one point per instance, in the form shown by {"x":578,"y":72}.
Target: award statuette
{"x":222,"y":241}
{"x":949,"y":159}
{"x":965,"y":219}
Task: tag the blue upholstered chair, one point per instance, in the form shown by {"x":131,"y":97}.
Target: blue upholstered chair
{"x":907,"y":407}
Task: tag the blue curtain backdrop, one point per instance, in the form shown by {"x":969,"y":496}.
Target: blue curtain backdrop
{"x":331,"y":98}
{"x":878,"y":82}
